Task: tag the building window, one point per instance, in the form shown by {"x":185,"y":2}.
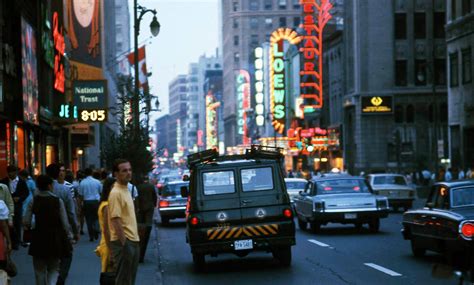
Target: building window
{"x":443,"y":112}
{"x":466,"y":7}
{"x":236,"y":23}
{"x":254,"y":40}
{"x":430,"y":113}
{"x":296,"y":21}
{"x":400,"y":26}
{"x":453,"y":70}
{"x":236,"y":40}
{"x":268,"y":5}
{"x":453,"y":9}
{"x":410,"y":118}
{"x":466,"y":66}
{"x":398,"y":114}
{"x":235,"y":6}
{"x":253,"y":23}
{"x":440,"y":71}
{"x":282,"y":4}
{"x":420,"y":72}
{"x":268,"y":22}
{"x":282,"y":22}
{"x":401,"y":73}
{"x":439,"y":19}
{"x":253,"y":5}
{"x":420,"y":25}
{"x":296,"y":4}
{"x":236,"y":57}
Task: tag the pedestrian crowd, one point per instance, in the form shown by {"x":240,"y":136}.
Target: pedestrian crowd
{"x":47,"y":214}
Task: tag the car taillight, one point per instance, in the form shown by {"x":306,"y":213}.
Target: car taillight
{"x":288,"y":213}
{"x":466,"y":230}
{"x":194,"y":221}
{"x":164,"y":204}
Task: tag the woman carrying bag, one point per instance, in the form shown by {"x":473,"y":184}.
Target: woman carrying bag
{"x":52,"y":236}
{"x":107,"y":276}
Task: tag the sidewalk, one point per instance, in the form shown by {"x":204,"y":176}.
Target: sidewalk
{"x":85,"y":267}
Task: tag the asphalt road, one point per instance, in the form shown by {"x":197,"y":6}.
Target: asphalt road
{"x":339,"y":254}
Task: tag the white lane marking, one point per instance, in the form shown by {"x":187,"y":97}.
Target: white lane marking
{"x":383,"y":269}
{"x":318,"y":243}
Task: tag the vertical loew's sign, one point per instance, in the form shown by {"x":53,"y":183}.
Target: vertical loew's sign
{"x":90,"y":97}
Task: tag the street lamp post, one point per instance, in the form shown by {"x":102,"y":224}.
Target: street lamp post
{"x":155,"y":29}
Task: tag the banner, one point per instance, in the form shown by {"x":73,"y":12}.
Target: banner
{"x":29,"y":73}
{"x":142,"y":72}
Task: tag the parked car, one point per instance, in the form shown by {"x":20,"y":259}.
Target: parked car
{"x":171,"y":204}
{"x":238,"y":204}
{"x":395,"y":187}
{"x":339,"y":199}
{"x":446,"y":223}
{"x":294,"y":186}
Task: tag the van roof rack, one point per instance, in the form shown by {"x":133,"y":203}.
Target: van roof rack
{"x":254,"y":152}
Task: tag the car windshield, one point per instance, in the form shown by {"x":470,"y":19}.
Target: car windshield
{"x":390,"y":179}
{"x":342,"y":186}
{"x":463,"y":197}
{"x":172,"y":189}
{"x":293,"y":186}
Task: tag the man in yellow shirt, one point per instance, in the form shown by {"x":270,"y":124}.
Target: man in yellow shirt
{"x":124,"y":238}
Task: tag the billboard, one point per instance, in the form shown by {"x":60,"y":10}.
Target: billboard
{"x":29,"y":73}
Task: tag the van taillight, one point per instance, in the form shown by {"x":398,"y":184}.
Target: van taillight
{"x":288,"y":213}
{"x":194,"y":221}
{"x":164,"y":204}
{"x":466,"y":229}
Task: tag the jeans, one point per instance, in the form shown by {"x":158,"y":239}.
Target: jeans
{"x":64,"y":266}
{"x":125,"y":261}
{"x":90,"y":211}
{"x":46,"y":270}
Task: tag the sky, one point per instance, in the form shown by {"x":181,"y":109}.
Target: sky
{"x":189,"y":29}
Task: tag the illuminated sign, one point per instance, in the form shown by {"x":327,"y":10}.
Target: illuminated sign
{"x":277,"y":75}
{"x":60,"y":47}
{"x":178,"y":134}
{"x":376,"y":104}
{"x":93,"y":116}
{"x":312,"y":51}
{"x":67,"y":111}
{"x":29,"y":69}
{"x":211,"y":121}
{"x":242,"y":81}
{"x":90,"y":98}
{"x":259,"y":87}
{"x":48,"y":49}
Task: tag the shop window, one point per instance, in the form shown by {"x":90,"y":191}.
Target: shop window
{"x":410,"y":118}
{"x":400,"y":26}
{"x":420,"y":25}
{"x":401,"y":73}
{"x":438,"y":23}
{"x":466,"y":66}
{"x":453,"y":70}
{"x":398,"y":114}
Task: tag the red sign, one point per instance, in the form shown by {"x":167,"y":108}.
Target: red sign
{"x":60,"y":47}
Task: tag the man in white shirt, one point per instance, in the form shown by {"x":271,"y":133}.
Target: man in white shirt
{"x":90,"y":190}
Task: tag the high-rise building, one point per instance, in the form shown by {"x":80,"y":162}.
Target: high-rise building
{"x":395,"y":114}
{"x":122,"y":27}
{"x":460,"y":41}
{"x":177,"y":91}
{"x":246,"y":25}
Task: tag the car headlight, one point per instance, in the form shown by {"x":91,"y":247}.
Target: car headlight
{"x":466,"y":230}
{"x":382,"y":203}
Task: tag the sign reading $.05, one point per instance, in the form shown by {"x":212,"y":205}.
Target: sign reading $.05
{"x":93,"y":116}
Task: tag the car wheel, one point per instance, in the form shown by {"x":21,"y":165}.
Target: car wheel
{"x":283,"y":254}
{"x":165,"y":221}
{"x":302,"y":224}
{"x":315,"y":227}
{"x":417,"y":250}
{"x":199,"y":261}
{"x":374,"y":225}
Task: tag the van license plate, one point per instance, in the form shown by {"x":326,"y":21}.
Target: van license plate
{"x":243,"y":244}
{"x":350,"y":216}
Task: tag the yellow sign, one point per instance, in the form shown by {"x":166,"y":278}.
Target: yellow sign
{"x":376,"y":104}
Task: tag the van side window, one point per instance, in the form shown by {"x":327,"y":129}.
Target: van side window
{"x":257,"y":179}
{"x":219,"y":182}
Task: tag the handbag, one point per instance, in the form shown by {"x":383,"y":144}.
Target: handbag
{"x":10,"y":268}
{"x":107,"y":278}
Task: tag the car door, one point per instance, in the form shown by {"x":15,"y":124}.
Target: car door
{"x":305,"y":200}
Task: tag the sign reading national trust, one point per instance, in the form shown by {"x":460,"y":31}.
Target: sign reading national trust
{"x":90,"y":94}
{"x":377,"y":104}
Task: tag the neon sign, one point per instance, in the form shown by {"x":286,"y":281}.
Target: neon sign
{"x":312,"y":50}
{"x":60,"y":46}
{"x":277,"y":75}
{"x":243,"y":103}
{"x":211,"y":121}
{"x":259,"y":87}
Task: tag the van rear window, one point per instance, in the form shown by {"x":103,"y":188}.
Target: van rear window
{"x":219,"y":182}
{"x":257,"y":179}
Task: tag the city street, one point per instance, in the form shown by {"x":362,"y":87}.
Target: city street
{"x":338,"y":255}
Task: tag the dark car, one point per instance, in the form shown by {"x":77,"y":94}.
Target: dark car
{"x":446,"y":223}
{"x":239,"y":204}
{"x":341,"y":199}
{"x":171,"y":204}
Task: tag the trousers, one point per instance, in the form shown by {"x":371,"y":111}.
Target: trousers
{"x":125,"y":261}
{"x":90,"y":212}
